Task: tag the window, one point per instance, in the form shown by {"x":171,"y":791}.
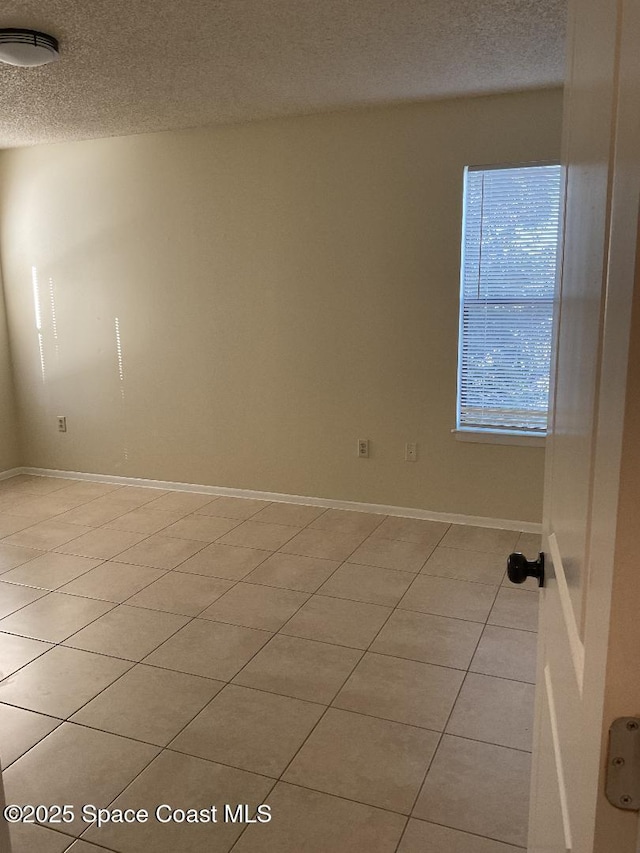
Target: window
{"x":508,"y":273}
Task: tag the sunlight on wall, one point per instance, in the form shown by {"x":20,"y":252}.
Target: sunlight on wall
{"x":54,"y":324}
{"x":125,"y":450}
{"x":38,"y":318}
{"x":119,"y":354}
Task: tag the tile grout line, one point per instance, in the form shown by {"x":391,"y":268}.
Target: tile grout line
{"x":241,"y":686}
{"x":196,"y":616}
{"x":275,"y":781}
{"x":67,"y":719}
{"x":165,"y":748}
{"x":322,"y":716}
{"x":73,"y":539}
{"x":444,"y":729}
{"x":240,"y":580}
{"x":109,"y":559}
{"x":68,"y":644}
{"x":441,"y":736}
{"x":465,"y":832}
{"x":133,"y":663}
{"x":341,"y":687}
{"x":63,"y":512}
{"x":116,"y":604}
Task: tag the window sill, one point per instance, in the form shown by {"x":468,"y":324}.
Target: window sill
{"x":486,"y":436}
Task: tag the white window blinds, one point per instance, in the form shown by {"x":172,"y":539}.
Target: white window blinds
{"x":509,"y":245}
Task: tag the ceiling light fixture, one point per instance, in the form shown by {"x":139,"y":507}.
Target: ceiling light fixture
{"x":27,"y":48}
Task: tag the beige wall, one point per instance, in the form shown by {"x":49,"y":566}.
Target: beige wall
{"x":9,"y":448}
{"x":281,"y":289}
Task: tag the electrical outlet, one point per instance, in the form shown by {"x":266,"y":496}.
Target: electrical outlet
{"x":62,"y":423}
{"x":410,"y":451}
{"x":363,"y":448}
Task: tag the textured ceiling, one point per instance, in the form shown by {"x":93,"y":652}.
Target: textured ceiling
{"x":130,"y":66}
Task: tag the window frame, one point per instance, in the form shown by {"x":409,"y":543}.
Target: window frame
{"x":493,"y":434}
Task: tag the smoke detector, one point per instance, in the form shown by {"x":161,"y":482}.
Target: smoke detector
{"x":27,"y":48}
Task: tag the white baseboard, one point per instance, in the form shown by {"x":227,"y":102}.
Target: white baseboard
{"x":378,"y":509}
{"x":12,"y":472}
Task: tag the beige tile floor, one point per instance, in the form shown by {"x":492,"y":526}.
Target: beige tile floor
{"x":370,"y":678}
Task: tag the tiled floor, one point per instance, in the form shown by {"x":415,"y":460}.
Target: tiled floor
{"x":367,"y":677}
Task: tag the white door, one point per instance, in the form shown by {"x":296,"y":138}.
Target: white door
{"x":589,"y":641}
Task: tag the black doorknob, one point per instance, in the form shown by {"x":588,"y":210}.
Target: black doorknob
{"x":519,"y":568}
